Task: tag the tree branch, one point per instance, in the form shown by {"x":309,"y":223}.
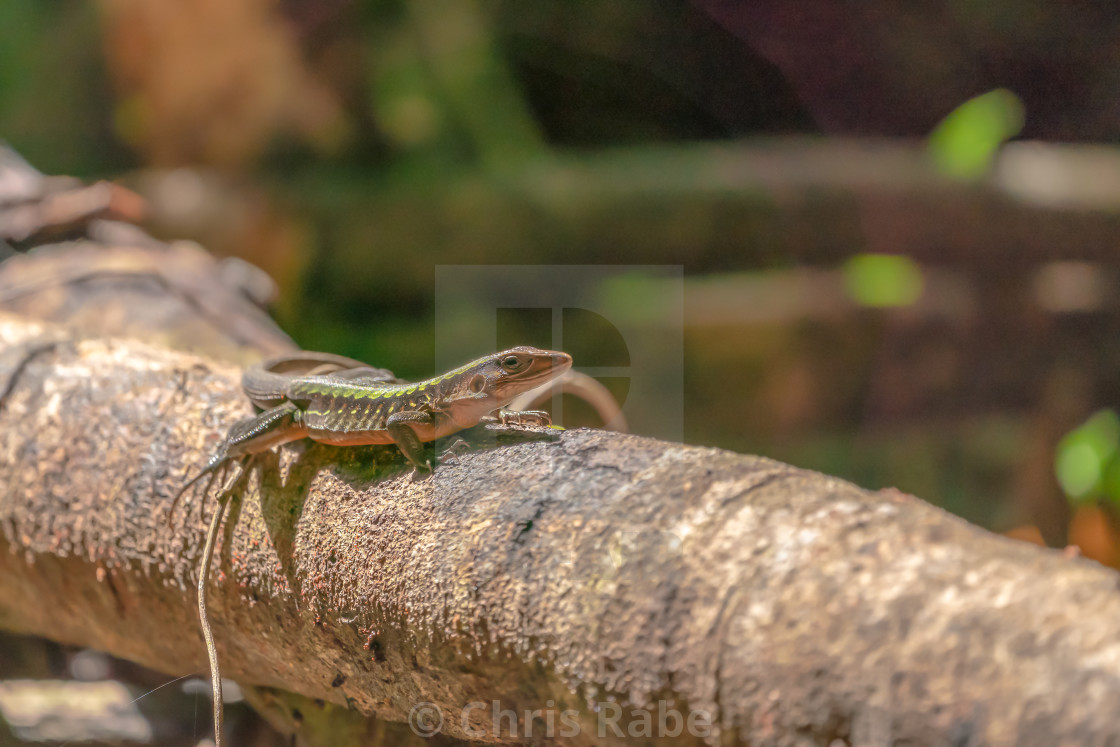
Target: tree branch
{"x":598,"y":566}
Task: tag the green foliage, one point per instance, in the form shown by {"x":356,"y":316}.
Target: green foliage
{"x":883,"y":280}
{"x":1087,"y":462}
{"x":965,"y":142}
{"x":54,"y":99}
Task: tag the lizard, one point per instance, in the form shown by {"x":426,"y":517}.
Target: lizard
{"x":344,"y":402}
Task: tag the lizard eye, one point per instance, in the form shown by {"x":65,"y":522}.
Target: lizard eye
{"x":478,"y":383}
{"x":511,"y":363}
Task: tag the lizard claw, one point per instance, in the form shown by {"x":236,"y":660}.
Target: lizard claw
{"x":450,"y":455}
{"x":427,"y":467}
{"x":524,"y":417}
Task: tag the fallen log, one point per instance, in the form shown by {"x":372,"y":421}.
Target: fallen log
{"x":556,"y":581}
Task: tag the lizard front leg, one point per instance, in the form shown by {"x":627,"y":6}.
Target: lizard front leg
{"x":519,"y":417}
{"x":402,"y":427}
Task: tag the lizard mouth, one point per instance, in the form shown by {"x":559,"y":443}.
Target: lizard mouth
{"x":544,"y":368}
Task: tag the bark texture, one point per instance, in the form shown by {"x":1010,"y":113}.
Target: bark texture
{"x":594,"y":569}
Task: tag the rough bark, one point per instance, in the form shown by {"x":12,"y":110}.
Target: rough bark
{"x":548,"y":575}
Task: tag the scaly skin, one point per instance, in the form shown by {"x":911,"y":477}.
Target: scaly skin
{"x":342,"y":401}
{"x":312,"y":395}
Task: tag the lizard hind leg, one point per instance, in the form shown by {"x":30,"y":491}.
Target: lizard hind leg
{"x":212,"y":469}
{"x":219,"y":473}
{"x":228,"y":475}
{"x":250,"y":435}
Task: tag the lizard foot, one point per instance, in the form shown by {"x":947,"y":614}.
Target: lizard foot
{"x":450,"y":455}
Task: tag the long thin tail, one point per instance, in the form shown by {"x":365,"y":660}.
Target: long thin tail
{"x":207,"y":633}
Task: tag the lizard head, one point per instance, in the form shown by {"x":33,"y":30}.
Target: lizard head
{"x":494,"y":381}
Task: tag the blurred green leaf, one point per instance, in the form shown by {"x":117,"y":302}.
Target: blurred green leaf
{"x":965,"y":142}
{"x":883,"y":280}
{"x":54,"y":93}
{"x":1086,"y":455}
{"x":1079,"y":469}
{"x":1111,"y":482}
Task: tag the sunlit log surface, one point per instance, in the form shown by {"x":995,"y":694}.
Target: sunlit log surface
{"x":552,"y":575}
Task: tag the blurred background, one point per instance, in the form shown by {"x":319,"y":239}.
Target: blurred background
{"x":898,"y":224}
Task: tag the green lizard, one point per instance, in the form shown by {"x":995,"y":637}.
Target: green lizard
{"x":341,"y":401}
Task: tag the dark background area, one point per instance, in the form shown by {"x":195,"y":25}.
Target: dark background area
{"x":898,"y":223}
{"x":349,"y":149}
